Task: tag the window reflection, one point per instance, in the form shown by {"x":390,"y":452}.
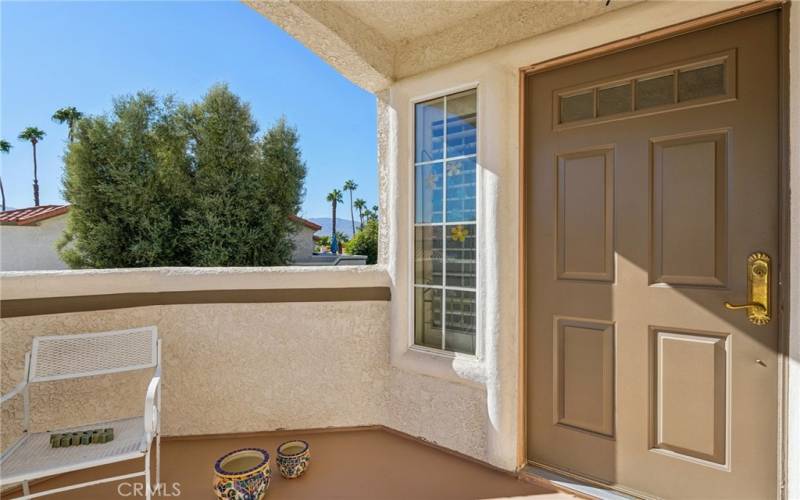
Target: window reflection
{"x":428,"y":247}
{"x":429,"y":140}
{"x":461,"y":124}
{"x":445,"y":232}
{"x":461,"y":190}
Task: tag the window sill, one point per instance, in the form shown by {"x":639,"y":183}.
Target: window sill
{"x":454,"y":367}
{"x":442,"y":353}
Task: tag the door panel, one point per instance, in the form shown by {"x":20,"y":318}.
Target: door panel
{"x":585,"y":215}
{"x":690,"y":409}
{"x":584,"y":378}
{"x":689,"y":207}
{"x":652,"y":176}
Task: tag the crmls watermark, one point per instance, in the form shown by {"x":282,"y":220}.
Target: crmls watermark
{"x":137,"y":490}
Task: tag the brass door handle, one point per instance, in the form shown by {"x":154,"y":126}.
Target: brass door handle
{"x":758,"y":274}
{"x":755,"y":305}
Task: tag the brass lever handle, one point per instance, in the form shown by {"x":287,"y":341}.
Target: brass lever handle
{"x":758,"y":274}
{"x":733,"y":307}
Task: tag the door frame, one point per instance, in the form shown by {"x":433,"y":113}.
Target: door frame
{"x":783,"y":308}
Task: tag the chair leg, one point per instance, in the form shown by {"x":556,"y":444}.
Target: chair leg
{"x":147,"y":486}
{"x":158,"y":459}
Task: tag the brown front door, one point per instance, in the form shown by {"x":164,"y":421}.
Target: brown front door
{"x":652,"y":178}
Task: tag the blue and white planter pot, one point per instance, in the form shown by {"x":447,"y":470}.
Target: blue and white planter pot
{"x":293,"y":459}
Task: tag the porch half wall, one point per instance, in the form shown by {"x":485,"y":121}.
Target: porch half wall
{"x":239,"y":367}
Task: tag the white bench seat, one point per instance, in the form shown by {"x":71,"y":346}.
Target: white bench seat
{"x":34,"y":458}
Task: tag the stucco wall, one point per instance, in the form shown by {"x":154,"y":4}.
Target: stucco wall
{"x":303,"y":244}
{"x":227,"y":367}
{"x":24,"y":248}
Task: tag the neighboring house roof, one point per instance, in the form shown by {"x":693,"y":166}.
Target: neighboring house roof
{"x":32,"y":215}
{"x":305,"y":222}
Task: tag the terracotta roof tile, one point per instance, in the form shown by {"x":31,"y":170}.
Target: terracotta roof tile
{"x":31,"y":215}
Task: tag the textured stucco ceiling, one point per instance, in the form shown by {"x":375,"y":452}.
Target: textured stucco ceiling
{"x":400,"y":20}
{"x":376,"y":42}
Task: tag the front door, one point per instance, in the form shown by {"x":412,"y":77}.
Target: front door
{"x":653,"y":200}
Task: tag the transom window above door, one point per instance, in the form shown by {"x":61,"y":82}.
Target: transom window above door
{"x":701,"y":81}
{"x":445,"y":227}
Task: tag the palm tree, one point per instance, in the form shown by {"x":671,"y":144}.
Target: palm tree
{"x":5,"y":147}
{"x":351,"y":186}
{"x":335,"y":197}
{"x":360,"y":206}
{"x":69,"y":115}
{"x":33,"y":135}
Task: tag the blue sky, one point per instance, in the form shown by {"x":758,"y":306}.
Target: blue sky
{"x":82,"y":54}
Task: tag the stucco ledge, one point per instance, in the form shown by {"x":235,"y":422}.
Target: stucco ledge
{"x":42,"y":284}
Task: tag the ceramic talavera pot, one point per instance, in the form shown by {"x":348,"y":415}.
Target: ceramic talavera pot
{"x":242,"y":474}
{"x":293,"y":458}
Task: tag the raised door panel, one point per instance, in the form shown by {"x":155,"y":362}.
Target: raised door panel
{"x":690,"y":378}
{"x":585,"y":215}
{"x":584,"y":375}
{"x":689,"y":209}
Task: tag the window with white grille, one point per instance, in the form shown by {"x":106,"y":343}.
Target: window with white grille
{"x":445,"y":223}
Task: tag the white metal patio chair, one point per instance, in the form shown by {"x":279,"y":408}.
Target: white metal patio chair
{"x":63,"y":357}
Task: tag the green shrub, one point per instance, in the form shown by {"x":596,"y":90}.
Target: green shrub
{"x":365,"y":242}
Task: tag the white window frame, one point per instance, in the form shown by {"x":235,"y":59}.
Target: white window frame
{"x":412,"y":286}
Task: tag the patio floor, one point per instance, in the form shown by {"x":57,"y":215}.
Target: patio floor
{"x":370,"y":464}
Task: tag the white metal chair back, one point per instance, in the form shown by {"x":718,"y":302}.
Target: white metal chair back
{"x":59,"y":357}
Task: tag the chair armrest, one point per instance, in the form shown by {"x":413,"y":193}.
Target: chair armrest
{"x":14,"y":392}
{"x":151,"y":410}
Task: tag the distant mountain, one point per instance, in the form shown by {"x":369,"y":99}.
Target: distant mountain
{"x":344,"y":226}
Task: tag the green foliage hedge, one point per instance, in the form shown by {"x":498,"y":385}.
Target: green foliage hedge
{"x":365,"y":242}
{"x":162,"y":183}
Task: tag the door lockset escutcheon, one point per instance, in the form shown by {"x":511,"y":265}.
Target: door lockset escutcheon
{"x":758,"y":276}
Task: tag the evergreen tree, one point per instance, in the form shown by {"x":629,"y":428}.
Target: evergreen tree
{"x":127,"y":179}
{"x":165,"y":184}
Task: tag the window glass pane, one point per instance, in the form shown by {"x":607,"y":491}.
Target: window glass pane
{"x":461,"y":190}
{"x":701,"y":82}
{"x":429,"y":130}
{"x":428,"y":317}
{"x":428,"y":193}
{"x":656,"y":91}
{"x":445,"y":243}
{"x":461,"y":123}
{"x":460,"y":319}
{"x":428,"y":255}
{"x":613,"y":100}
{"x":460,"y":247}
{"x":577,"y":107}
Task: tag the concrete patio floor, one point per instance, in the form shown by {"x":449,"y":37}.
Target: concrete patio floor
{"x":370,"y":464}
